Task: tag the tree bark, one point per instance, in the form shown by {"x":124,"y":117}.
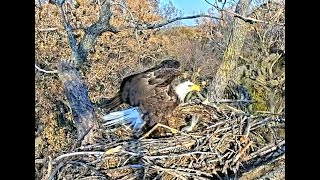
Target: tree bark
{"x":82,"y":108}
{"x":233,"y":51}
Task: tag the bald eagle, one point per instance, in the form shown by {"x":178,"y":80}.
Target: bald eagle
{"x":151,"y":96}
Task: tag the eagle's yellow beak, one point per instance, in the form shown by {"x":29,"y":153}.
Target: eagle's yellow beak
{"x":195,"y":87}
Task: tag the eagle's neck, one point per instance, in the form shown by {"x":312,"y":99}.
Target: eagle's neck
{"x":181,"y":93}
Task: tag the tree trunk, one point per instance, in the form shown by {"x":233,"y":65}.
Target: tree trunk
{"x":75,"y":89}
{"x":82,"y":109}
{"x":232,"y":53}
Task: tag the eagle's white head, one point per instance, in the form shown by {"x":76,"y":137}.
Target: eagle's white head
{"x":184,"y":88}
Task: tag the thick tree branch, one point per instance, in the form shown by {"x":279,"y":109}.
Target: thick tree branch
{"x":80,"y":51}
{"x":252,"y":20}
{"x":95,"y":30}
{"x":77,"y":95}
{"x":68,"y":28}
{"x":158,"y":25}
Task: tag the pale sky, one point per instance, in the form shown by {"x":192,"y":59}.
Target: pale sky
{"x":189,"y":7}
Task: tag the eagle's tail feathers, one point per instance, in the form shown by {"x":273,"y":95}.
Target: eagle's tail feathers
{"x":131,"y":116}
{"x":114,"y":102}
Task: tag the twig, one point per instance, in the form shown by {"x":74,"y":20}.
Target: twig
{"x":132,"y":166}
{"x":177,"y":155}
{"x":49,"y":168}
{"x":252,"y":20}
{"x":216,"y":124}
{"x":40,"y":161}
{"x":241,"y":152}
{"x":268,"y":112}
{"x":90,"y":177}
{"x":164,"y":126}
{"x":260,"y":123}
{"x":54,"y":172}
{"x":198,"y":172}
{"x":265,"y":150}
{"x":45,"y":71}
{"x":247,"y":129}
{"x":231,"y":101}
{"x":47,"y":29}
{"x":79,"y":153}
{"x":88,"y":166}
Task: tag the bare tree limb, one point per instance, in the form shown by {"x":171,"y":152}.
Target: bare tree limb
{"x":98,"y":153}
{"x":158,"y":25}
{"x":68,"y":28}
{"x":252,"y":20}
{"x":179,"y":155}
{"x":49,"y":170}
{"x":55,"y":171}
{"x":80,"y":51}
{"x":45,"y":71}
{"x":47,"y":29}
{"x":95,"y":30}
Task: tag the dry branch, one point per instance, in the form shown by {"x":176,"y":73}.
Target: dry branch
{"x":80,"y":50}
{"x":68,"y":28}
{"x":95,"y":30}
{"x":45,"y":71}
{"x":158,"y":25}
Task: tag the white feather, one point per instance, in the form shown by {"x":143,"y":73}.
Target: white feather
{"x":131,"y":116}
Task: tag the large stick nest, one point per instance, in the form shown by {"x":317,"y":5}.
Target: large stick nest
{"x":228,"y":146}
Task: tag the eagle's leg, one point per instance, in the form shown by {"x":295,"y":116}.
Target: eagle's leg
{"x":159,"y":125}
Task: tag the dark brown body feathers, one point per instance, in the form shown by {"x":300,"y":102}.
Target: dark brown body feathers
{"x":150,"y":90}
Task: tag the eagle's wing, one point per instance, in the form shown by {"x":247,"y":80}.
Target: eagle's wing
{"x":137,"y":86}
{"x":143,"y":85}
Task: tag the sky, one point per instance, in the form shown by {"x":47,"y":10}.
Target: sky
{"x":189,"y":7}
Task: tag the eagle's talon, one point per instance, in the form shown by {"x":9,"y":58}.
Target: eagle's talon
{"x":174,"y":131}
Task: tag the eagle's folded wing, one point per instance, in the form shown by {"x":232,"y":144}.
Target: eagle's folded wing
{"x":135,"y":88}
{"x":163,"y":77}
